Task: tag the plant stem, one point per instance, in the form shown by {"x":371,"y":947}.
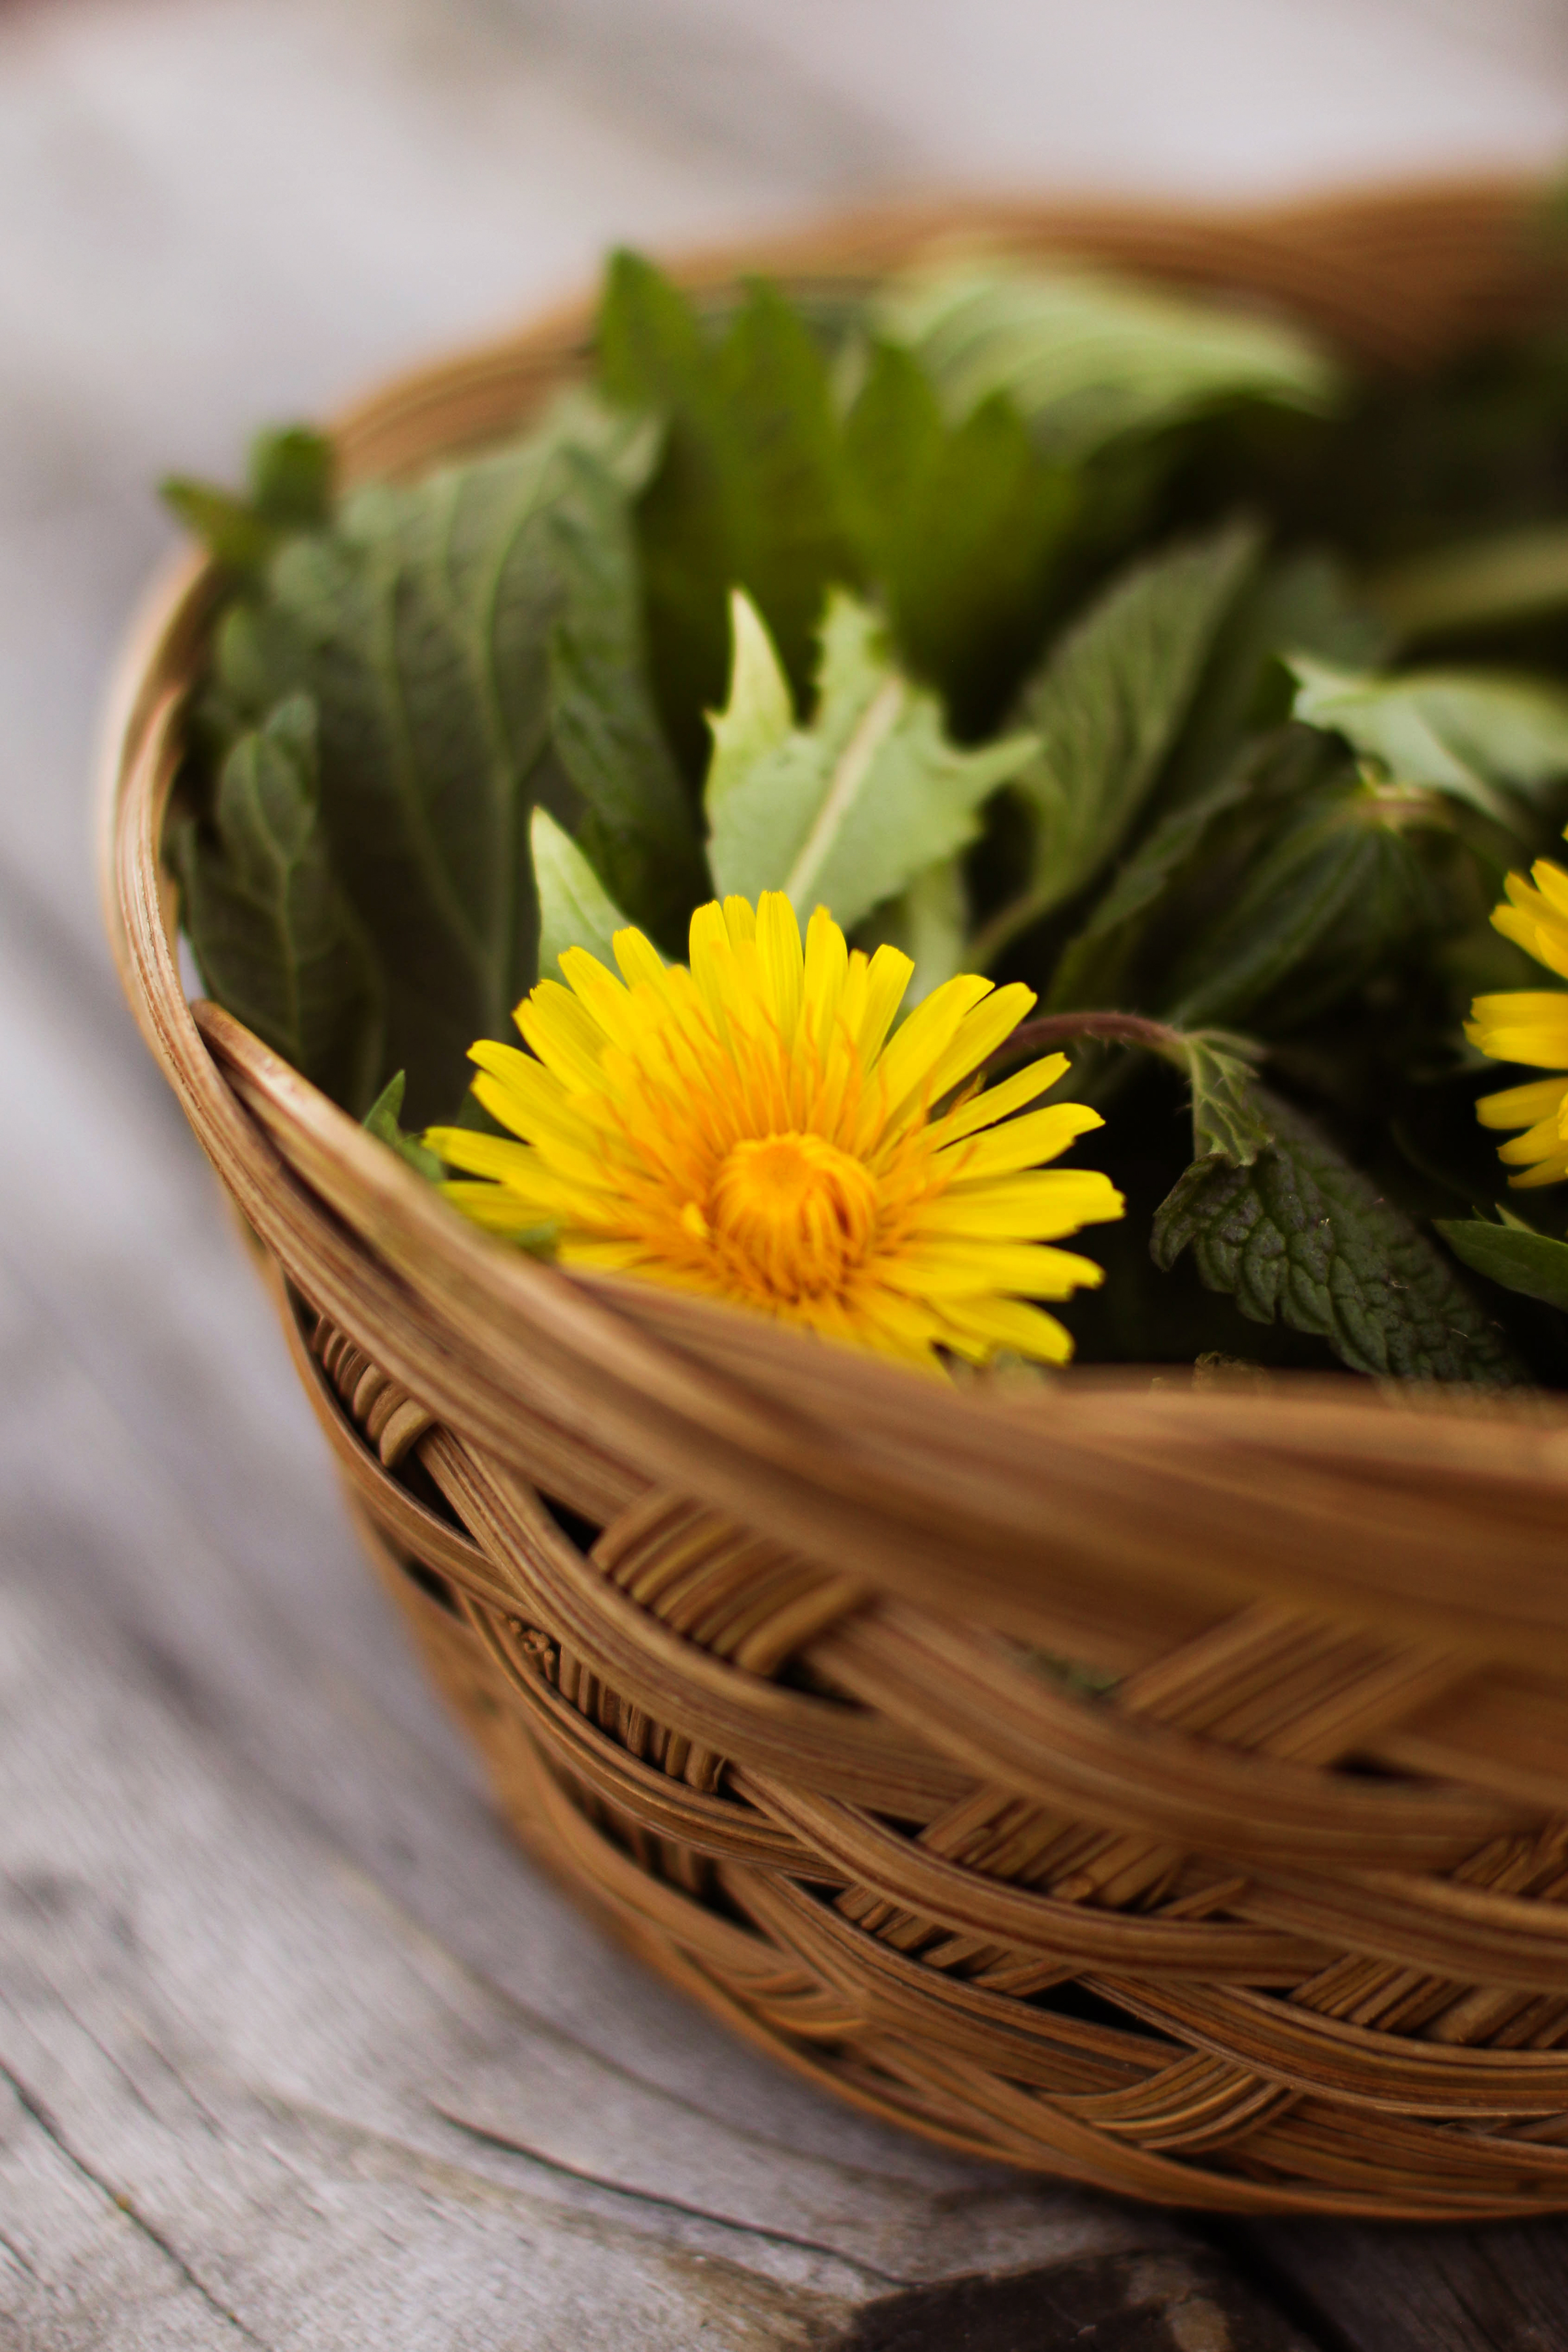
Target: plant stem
{"x":1106,"y":1028}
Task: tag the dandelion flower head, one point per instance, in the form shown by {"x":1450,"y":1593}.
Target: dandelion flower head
{"x":754,"y":1128}
{"x":1530,"y":1025}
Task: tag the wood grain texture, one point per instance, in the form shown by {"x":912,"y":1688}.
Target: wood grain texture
{"x":249,"y":1875}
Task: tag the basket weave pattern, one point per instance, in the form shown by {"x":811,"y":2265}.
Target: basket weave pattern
{"x":751,"y":1633}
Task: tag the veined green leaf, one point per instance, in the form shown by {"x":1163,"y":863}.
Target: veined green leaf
{"x":961,"y":525}
{"x":1509,"y":1255}
{"x":1228,"y":1121}
{"x":1089,"y":357}
{"x":1468,"y":733}
{"x":1107,"y":705}
{"x":574,"y":909}
{"x":272,"y":933}
{"x":845,"y":813}
{"x":473,"y":642}
{"x":752,"y":488}
{"x":384,"y":1120}
{"x":1302,"y":1235}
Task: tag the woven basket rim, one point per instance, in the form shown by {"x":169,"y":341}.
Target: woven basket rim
{"x":1119,"y":1495}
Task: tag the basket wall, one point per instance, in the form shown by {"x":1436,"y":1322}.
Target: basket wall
{"x":743,"y":1628}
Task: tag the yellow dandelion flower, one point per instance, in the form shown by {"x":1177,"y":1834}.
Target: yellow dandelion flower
{"x":755,"y":1128}
{"x":1530,"y":1025}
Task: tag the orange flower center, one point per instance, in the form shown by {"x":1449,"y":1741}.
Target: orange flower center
{"x":797,"y":1211}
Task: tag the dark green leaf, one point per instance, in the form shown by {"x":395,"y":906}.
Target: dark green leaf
{"x":231,"y":529}
{"x":961,"y":526}
{"x":383,"y":1120}
{"x":1107,"y":705}
{"x":273,"y":935}
{"x":752,"y":488}
{"x":1532,"y":1264}
{"x":473,"y":641}
{"x":1303,"y":1235}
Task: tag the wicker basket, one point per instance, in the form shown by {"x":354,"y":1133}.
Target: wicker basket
{"x":741,"y":1624}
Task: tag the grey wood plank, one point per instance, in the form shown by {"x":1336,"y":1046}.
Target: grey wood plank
{"x":1504,"y":2288}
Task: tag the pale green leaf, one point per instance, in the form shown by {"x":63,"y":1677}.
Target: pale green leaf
{"x":930,"y":924}
{"x":1470,"y":734}
{"x":1228,"y":1121}
{"x":759,"y":714}
{"x":847,"y":812}
{"x":1511,"y":1255}
{"x":384,"y":1120}
{"x":576,"y":910}
{"x":1088,"y":357}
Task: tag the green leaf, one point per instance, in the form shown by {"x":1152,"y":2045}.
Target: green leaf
{"x":1090,"y":969}
{"x":751,"y":489}
{"x":1107,"y":705}
{"x":845,"y":813}
{"x":474,"y":642}
{"x":1302,"y":1235}
{"x":272,"y":933}
{"x":1532,"y":1264}
{"x":1465,"y":732}
{"x":963,"y":526}
{"x":383,"y":1120}
{"x":292,"y":473}
{"x":292,"y":476}
{"x":1481,"y":583}
{"x":574,"y":909}
{"x":1228,"y":1121}
{"x":1333,"y":854}
{"x":759,"y":717}
{"x":930,"y":924}
{"x":1088,"y":358}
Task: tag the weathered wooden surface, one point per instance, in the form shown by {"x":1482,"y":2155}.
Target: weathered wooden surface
{"x":297,"y":2049}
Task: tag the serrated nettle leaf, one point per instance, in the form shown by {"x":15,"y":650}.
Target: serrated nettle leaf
{"x":273,"y":935}
{"x":1090,"y":967}
{"x":848,"y":812}
{"x":1089,"y":357}
{"x":752,"y":488}
{"x":1229,"y":1123}
{"x":384,"y":1121}
{"x":1511,"y":1255}
{"x":1107,"y":705}
{"x":473,"y":641}
{"x":1342,"y":880}
{"x":637,"y":825}
{"x":1466,"y":732}
{"x":574,"y":909}
{"x":930,"y":924}
{"x":1301,"y":1235}
{"x":962,"y":527}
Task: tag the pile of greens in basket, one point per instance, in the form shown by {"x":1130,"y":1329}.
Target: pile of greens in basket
{"x":1048,"y":626}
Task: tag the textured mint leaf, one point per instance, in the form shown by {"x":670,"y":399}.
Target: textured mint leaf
{"x":1301,"y":1235}
{"x":1465,"y":732}
{"x":963,"y":526}
{"x":382,"y":1119}
{"x":751,"y":489}
{"x":473,"y":642}
{"x":574,"y":909}
{"x":1090,"y":358}
{"x":847,"y":813}
{"x":1108,"y":705}
{"x":1228,"y":1119}
{"x":1532,"y":1264}
{"x":272,"y":933}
